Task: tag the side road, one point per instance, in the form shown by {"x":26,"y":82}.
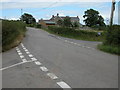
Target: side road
{"x":73,"y":64}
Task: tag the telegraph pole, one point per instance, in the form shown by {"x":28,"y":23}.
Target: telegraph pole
{"x":112,"y":12}
{"x":21,"y":14}
{"x":21,"y":11}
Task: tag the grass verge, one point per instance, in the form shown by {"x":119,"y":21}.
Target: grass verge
{"x":76,"y":34}
{"x":109,"y":49}
{"x":12,"y":34}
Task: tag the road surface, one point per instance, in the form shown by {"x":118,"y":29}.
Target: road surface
{"x":44,"y":60}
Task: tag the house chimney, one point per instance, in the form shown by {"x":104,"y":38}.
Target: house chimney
{"x":52,"y":16}
{"x":57,"y":14}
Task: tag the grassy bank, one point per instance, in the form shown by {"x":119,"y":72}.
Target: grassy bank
{"x":12,"y":34}
{"x":75,"y":34}
{"x":112,"y":40}
{"x":109,"y":49}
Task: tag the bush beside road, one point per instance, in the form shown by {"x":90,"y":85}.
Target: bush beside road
{"x":12,"y":33}
{"x":76,"y":34}
{"x":112,"y":40}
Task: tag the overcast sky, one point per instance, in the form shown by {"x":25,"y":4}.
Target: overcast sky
{"x":11,"y":9}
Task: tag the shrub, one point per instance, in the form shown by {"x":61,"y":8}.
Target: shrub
{"x":113,"y":36}
{"x":10,"y":31}
{"x":76,"y":34}
{"x":38,"y":25}
{"x":109,"y":48}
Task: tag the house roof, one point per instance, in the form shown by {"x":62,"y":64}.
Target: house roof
{"x":72,"y":18}
{"x":48,"y":21}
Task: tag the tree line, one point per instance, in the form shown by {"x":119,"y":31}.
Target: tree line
{"x":92,"y":19}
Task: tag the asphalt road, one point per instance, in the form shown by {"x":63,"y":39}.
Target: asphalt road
{"x":44,"y":60}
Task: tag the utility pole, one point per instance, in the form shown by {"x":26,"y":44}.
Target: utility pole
{"x":21,"y":12}
{"x":112,"y":12}
{"x":119,"y":13}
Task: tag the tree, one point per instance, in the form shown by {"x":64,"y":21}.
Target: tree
{"x":67,"y":21}
{"x":92,"y":18}
{"x":60,"y":22}
{"x":75,"y":25}
{"x":28,"y":18}
{"x":100,"y":21}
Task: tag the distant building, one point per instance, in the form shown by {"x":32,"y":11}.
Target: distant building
{"x":46,"y":23}
{"x":73,"y":19}
{"x":54,"y":19}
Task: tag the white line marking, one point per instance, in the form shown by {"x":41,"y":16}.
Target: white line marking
{"x":34,"y":59}
{"x":24,"y":60}
{"x":28,"y":52}
{"x":75,"y":43}
{"x":66,"y":40}
{"x":52,"y":76}
{"x":30,"y":55}
{"x":37,"y":63}
{"x":58,"y":37}
{"x":63,"y":84}
{"x":20,"y":53}
{"x":17,"y":48}
{"x":72,"y":42}
{"x":11,"y":66}
{"x":83,"y":46}
{"x":24,"y":48}
{"x":21,"y":56}
{"x":21,"y":44}
{"x":79,"y":44}
{"x":44,"y":69}
{"x":14,"y":65}
{"x":88,"y":47}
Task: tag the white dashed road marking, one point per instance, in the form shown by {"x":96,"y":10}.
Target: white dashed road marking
{"x":37,"y":63}
{"x":20,"y":53}
{"x":44,"y":69}
{"x":21,"y":56}
{"x":52,"y":76}
{"x":17,"y":49}
{"x":11,"y":66}
{"x":34,"y":59}
{"x":30,"y":55}
{"x":24,"y":60}
{"x":14,"y":65}
{"x":63,"y":84}
{"x":28,"y":52}
{"x":75,"y":43}
{"x":24,"y":48}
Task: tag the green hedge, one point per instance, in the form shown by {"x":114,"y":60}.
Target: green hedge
{"x":113,"y":36}
{"x":76,"y":34}
{"x":10,"y":31}
{"x":109,"y":49}
{"x":34,"y":25}
{"x":112,"y":40}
